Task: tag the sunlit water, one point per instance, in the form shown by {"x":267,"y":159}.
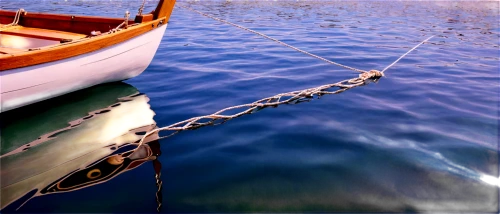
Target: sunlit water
{"x":424,"y":138}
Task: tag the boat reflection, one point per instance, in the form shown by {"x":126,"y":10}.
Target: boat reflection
{"x":75,"y":141}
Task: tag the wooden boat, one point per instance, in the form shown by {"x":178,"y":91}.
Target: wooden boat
{"x":83,"y":144}
{"x":47,"y":55}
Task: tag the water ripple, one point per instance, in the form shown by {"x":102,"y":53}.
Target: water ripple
{"x":424,"y":139}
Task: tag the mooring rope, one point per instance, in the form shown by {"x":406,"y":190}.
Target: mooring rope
{"x":273,"y":39}
{"x":293,"y":97}
{"x":401,"y":57}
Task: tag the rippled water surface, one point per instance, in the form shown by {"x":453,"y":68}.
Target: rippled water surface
{"x":424,"y":138}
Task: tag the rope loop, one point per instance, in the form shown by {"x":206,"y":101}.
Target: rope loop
{"x":17,"y":17}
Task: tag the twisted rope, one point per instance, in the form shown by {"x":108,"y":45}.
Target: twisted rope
{"x":273,"y":39}
{"x":293,"y":97}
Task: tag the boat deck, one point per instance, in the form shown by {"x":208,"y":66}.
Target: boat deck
{"x":16,"y":39}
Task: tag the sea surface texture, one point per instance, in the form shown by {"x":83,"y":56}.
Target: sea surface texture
{"x":425,"y":138}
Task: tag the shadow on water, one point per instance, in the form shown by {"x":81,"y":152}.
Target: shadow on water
{"x":75,"y":141}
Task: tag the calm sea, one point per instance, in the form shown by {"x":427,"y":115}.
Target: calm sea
{"x":423,"y":139}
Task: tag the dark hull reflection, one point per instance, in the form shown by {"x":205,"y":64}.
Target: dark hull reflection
{"x":74,"y":141}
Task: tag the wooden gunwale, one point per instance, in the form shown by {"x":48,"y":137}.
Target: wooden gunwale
{"x":61,"y":22}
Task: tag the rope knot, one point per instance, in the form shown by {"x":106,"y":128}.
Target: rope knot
{"x":372,"y":74}
{"x":368,"y":75}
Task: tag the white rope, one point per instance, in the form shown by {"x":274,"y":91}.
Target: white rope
{"x":401,"y":57}
{"x":293,"y":97}
{"x":273,"y":39}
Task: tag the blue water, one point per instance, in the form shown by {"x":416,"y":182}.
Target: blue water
{"x":424,"y":138}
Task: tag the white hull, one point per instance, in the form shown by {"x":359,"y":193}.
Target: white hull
{"x":23,"y":86}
